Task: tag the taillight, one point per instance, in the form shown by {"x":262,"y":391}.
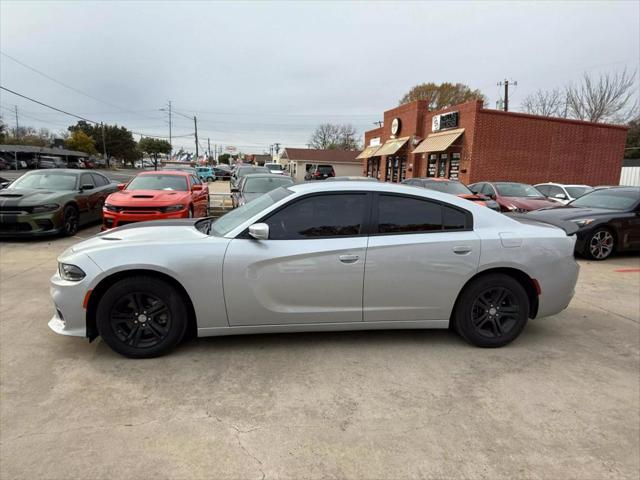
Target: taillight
{"x":332,"y":174}
{"x":317,"y":174}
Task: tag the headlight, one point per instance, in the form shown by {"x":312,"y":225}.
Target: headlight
{"x":70,"y":272}
{"x":511,"y":207}
{"x":111,"y":208}
{"x":49,"y":207}
{"x":173,"y":208}
{"x":583,"y":222}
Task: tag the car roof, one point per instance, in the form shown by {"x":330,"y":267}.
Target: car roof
{"x":59,"y":170}
{"x":434,"y":179}
{"x":265,"y":175}
{"x":563,"y":184}
{"x":166,"y":172}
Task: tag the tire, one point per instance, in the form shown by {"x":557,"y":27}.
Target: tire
{"x":210,"y":179}
{"x":141,"y":334}
{"x":491,"y":311}
{"x":600,"y":245}
{"x":70,"y":221}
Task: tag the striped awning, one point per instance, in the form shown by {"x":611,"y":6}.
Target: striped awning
{"x":368,"y":152}
{"x":392,"y":146}
{"x":439,"y":142}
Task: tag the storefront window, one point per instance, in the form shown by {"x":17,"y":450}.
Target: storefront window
{"x":373,"y":167}
{"x":431,"y":166}
{"x":442,"y":166}
{"x":454,"y":166}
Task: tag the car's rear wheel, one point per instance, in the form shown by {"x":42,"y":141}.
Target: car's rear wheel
{"x":600,"y":245}
{"x":141,"y":317}
{"x":491,"y":311}
{"x":70,"y":221}
{"x":210,"y":179}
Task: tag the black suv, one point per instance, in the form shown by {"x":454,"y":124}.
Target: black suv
{"x":320,"y":172}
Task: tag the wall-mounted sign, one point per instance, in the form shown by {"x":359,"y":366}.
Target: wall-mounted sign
{"x":374,"y":142}
{"x":230,"y":148}
{"x":454,"y":166}
{"x":395,"y":126}
{"x":444,"y":121}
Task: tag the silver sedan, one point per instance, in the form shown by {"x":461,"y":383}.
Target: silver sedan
{"x":316,"y":257}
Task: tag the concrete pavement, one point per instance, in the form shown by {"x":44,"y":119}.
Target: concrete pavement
{"x":563,"y":401}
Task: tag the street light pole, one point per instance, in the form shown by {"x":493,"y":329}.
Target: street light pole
{"x":195,"y":124}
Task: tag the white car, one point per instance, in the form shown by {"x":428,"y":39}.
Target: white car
{"x":316,"y":257}
{"x":276,"y":168}
{"x":561,"y":193}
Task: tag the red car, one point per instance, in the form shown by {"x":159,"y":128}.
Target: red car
{"x":156,"y":196}
{"x":452,"y":187}
{"x":513,"y":197}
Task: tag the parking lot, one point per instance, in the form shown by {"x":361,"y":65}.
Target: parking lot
{"x":560,"y":402}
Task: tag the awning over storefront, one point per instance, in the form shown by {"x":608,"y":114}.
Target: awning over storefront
{"x":368,"y":152}
{"x":439,"y":142}
{"x":392,"y":146}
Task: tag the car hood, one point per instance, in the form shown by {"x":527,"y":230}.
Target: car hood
{"x":131,"y":198}
{"x":148,"y":233}
{"x":12,"y":197}
{"x":473,"y":197}
{"x":567,"y":212}
{"x":528,"y":203}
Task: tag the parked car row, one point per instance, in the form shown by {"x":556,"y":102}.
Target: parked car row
{"x":46,"y":202}
{"x":46,"y":162}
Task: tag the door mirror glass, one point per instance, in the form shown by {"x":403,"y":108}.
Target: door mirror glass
{"x":259,"y":231}
{"x":121,"y":186}
{"x":561,"y":196}
{"x":234,"y":190}
{"x":86,"y":186}
{"x":196,"y":187}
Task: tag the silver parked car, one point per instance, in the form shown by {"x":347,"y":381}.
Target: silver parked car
{"x":316,"y":257}
{"x":561,"y":193}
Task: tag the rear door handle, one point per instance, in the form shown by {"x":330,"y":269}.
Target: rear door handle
{"x":348,"y":258}
{"x":461,"y":249}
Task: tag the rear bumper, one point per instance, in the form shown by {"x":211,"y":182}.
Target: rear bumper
{"x":557,"y":287}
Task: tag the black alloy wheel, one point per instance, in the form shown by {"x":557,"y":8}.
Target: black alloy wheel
{"x":491,"y":311}
{"x":70,"y":221}
{"x":141,"y":317}
{"x":601,"y":245}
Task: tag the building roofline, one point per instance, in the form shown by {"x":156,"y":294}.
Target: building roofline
{"x":493,"y":111}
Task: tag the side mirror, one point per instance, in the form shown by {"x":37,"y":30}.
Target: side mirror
{"x":259,"y":231}
{"x":86,"y":186}
{"x":234,"y":190}
{"x":196,"y":187}
{"x":121,"y":186}
{"x":561,"y":196}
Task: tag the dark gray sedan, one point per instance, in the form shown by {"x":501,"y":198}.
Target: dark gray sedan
{"x":254,"y":185}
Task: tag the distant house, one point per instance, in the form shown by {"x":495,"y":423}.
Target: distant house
{"x":257,"y":158}
{"x":299,"y":160}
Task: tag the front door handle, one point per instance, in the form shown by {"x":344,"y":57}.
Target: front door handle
{"x":348,"y":258}
{"x":462,"y":249}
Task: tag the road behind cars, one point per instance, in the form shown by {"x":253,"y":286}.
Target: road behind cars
{"x":560,"y":402}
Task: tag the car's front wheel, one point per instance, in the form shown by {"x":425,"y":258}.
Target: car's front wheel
{"x":600,"y":245}
{"x":70,"y":221}
{"x":141,"y":317}
{"x":491,"y":311}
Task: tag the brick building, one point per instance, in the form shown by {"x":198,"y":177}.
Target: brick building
{"x":471,"y":143}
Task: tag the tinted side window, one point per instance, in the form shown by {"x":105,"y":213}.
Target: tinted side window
{"x":99,"y":180}
{"x":408,"y":215}
{"x":553,"y":191}
{"x":86,"y":179}
{"x":319,"y":216}
{"x":544,"y":189}
{"x":453,"y":219}
{"x":488,"y":189}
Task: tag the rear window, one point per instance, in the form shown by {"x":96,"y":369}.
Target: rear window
{"x":325,"y":168}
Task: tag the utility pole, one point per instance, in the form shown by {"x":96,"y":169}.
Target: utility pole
{"x":195,"y":124}
{"x":170,"y":140}
{"x":277,"y":147}
{"x":506,"y":84}
{"x":104,"y":145}
{"x":15,"y":154}
{"x":208,"y":150}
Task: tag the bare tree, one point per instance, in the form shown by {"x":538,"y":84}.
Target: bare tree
{"x":607,"y":98}
{"x":331,"y":136}
{"x":550,"y":103}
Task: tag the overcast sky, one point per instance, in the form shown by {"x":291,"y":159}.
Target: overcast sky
{"x":256,"y":73}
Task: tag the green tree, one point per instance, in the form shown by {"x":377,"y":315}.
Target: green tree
{"x":632,"y":149}
{"x":78,"y":140}
{"x":442,"y":95}
{"x":154,"y":147}
{"x":224,"y":158}
{"x":118,"y":141}
{"x":3,"y":130}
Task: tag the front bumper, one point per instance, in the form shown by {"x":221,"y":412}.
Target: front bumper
{"x":117,"y":219}
{"x":70,"y":316}
{"x":30,"y":224}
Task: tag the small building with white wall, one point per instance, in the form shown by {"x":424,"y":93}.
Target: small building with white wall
{"x":630,"y":174}
{"x":297,"y":161}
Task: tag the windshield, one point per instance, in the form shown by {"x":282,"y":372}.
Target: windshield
{"x":242,"y":171}
{"x":611,"y":199}
{"x":274,"y":167}
{"x":265,"y":184}
{"x":237,"y":217}
{"x":159,"y":182}
{"x":46,"y":180}
{"x":575,"y":192}
{"x":517,"y":190}
{"x":454,"y":188}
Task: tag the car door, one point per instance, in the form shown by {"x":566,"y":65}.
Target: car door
{"x":311,"y":268}
{"x":88,"y":199}
{"x":199,"y":197}
{"x":420,"y":255}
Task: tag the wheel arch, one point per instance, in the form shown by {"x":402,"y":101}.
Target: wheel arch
{"x":104,"y":284}
{"x":521,"y":277}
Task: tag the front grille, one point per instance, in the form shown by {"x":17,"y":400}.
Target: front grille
{"x":135,"y":209}
{"x":14,"y":227}
{"x":15,"y":210}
